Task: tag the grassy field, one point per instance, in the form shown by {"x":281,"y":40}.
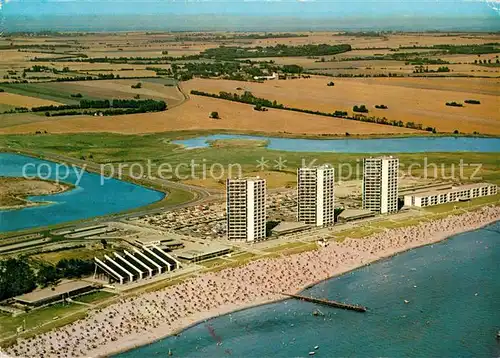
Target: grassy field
{"x":274,"y":179}
{"x":22,"y":98}
{"x":287,"y":246}
{"x":238,"y":143}
{"x":235,"y":260}
{"x":121,"y":89}
{"x":114,"y":148}
{"x":102,"y":89}
{"x":383,"y":41}
{"x":390,"y":224}
{"x":6,"y":107}
{"x":42,"y":91}
{"x":296,"y":249}
{"x":210,"y":264}
{"x":245,"y":256}
{"x":9,"y":324}
{"x":9,"y":120}
{"x":94,"y":297}
{"x":420,"y":100}
{"x":356,"y":233}
{"x":84,"y":253}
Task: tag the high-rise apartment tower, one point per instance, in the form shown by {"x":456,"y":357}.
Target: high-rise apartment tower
{"x":380,"y":184}
{"x":246,"y":209}
{"x":316,"y":195}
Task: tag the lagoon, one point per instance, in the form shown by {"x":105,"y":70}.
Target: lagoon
{"x":88,"y":199}
{"x":381,"y":145}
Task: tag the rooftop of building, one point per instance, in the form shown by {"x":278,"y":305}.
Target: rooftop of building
{"x":190,"y":254}
{"x":355,"y":213}
{"x":382,"y":157}
{"x":286,"y":226}
{"x":167,"y":236}
{"x":49,"y":293}
{"x":424,"y":193}
{"x":321,"y":166}
{"x":256,"y":178}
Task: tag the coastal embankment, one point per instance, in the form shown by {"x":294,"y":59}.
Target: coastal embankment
{"x":145,"y":318}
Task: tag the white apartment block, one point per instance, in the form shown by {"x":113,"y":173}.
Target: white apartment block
{"x":436,"y":197}
{"x":316,"y":195}
{"x":246,"y":209}
{"x":380,"y":184}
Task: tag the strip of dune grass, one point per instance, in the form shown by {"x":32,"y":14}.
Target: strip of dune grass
{"x":94,"y":297}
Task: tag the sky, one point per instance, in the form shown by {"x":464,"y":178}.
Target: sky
{"x":152,"y":14}
{"x":255,"y":7}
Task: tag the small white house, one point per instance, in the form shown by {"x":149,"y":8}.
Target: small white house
{"x":273,"y":77}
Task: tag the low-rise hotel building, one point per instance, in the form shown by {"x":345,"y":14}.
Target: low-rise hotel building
{"x":436,"y":197}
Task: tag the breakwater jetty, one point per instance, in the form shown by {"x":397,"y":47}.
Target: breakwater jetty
{"x":325,"y":302}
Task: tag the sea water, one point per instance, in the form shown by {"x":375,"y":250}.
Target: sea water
{"x":453,"y":289}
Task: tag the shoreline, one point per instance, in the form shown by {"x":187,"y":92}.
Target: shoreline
{"x":58,"y":187}
{"x":141,"y":320}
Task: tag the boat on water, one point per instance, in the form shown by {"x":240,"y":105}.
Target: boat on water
{"x":317,"y":313}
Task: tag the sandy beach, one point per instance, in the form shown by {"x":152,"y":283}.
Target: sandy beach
{"x":15,"y":191}
{"x":150,"y":316}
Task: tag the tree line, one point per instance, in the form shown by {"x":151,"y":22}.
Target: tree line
{"x":352,"y":75}
{"x":220,"y":53}
{"x":199,"y":37}
{"x":248,"y":98}
{"x":478,"y":49}
{"x":121,"y":60}
{"x":113,"y":107}
{"x":422,"y":69}
{"x":234,"y":52}
{"x":487,"y":62}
